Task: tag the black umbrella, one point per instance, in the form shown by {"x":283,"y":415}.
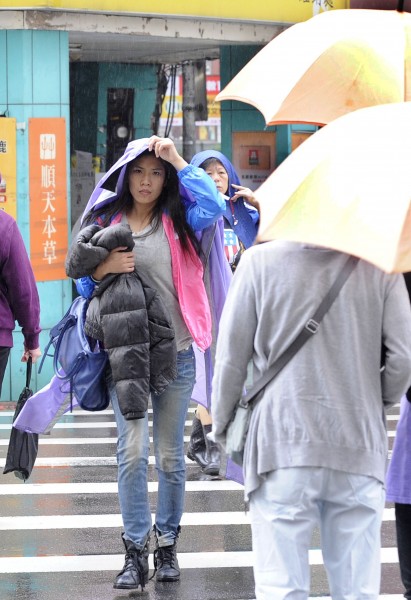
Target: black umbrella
{"x":23,"y":446}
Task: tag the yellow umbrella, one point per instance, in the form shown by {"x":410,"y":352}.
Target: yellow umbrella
{"x":332,"y":64}
{"x":347,"y":187}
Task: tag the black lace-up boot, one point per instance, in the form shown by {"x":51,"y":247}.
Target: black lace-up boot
{"x":197,"y":445}
{"x":165,"y":560}
{"x":213,"y":454}
{"x":135,"y":570}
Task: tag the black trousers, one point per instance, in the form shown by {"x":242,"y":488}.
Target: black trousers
{"x":403,"y":527}
{"x":4,"y":357}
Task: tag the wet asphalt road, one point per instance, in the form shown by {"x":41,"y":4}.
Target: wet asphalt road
{"x":60,"y":531}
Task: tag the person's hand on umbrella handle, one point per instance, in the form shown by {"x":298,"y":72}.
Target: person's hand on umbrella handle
{"x":34,"y":354}
{"x":164,"y":148}
{"x":247,"y":194}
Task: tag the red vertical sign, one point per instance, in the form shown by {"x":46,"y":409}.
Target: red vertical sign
{"x":48,"y":198}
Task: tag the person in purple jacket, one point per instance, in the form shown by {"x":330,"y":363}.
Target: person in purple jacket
{"x":19,"y":299}
{"x":240,"y":224}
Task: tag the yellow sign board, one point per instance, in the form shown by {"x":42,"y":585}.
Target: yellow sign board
{"x":283,"y":11}
{"x":174,"y":105}
{"x":8,"y":166}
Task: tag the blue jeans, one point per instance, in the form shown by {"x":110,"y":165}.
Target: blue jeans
{"x":169,"y":415}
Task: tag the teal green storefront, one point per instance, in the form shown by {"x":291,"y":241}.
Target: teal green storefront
{"x":35,"y":83}
{"x":38,"y":81}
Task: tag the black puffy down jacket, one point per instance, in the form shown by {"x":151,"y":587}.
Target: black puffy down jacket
{"x":129,"y":317}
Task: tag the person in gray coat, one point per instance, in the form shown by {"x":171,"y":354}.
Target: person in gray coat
{"x":316,"y":449}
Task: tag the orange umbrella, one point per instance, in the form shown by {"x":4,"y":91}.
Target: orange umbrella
{"x":347,"y":187}
{"x":332,"y":64}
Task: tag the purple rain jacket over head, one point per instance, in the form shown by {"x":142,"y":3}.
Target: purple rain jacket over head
{"x":111,"y":184}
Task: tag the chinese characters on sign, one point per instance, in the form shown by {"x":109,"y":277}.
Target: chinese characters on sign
{"x":8,"y":166}
{"x":48,"y":198}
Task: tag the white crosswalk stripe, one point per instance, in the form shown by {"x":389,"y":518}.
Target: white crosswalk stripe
{"x":187,"y":560}
{"x":114,"y":520}
{"x":57,"y":508}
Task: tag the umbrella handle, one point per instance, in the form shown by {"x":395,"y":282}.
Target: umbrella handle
{"x":28,"y":372}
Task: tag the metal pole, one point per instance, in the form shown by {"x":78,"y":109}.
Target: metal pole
{"x":400,"y":6}
{"x":189,"y":128}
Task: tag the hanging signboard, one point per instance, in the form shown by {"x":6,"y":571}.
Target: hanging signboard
{"x":8,"y":166}
{"x":173,"y":104}
{"x":254,"y":156}
{"x":48,"y":198}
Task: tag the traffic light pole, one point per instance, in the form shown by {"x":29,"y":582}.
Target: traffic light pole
{"x":189,"y":128}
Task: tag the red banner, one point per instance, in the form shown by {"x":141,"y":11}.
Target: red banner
{"x":48,"y":198}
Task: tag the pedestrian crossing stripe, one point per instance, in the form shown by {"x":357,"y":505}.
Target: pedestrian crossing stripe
{"x":7,"y":414}
{"x":82,"y":461}
{"x":85,"y":425}
{"x":83,"y":563}
{"x":50,"y":441}
{"x":114,"y":562}
{"x":78,"y":412}
{"x":192,"y":519}
{"x":7,"y":489}
{"x":53,"y":441}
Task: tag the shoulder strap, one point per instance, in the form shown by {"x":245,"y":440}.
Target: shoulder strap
{"x":310,"y":328}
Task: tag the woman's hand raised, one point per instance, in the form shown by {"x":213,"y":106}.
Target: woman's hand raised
{"x":164,"y":148}
{"x":247,"y":194}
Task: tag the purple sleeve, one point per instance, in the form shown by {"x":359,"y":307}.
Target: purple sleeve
{"x":22,"y":293}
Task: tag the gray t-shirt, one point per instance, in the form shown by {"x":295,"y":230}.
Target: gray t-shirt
{"x":153,"y":262}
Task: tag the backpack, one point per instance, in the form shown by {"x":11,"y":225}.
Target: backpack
{"x":78,"y":359}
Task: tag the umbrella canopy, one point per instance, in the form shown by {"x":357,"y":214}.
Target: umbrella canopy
{"x":332,"y":64}
{"x":23,"y":446}
{"x":347,"y":187}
